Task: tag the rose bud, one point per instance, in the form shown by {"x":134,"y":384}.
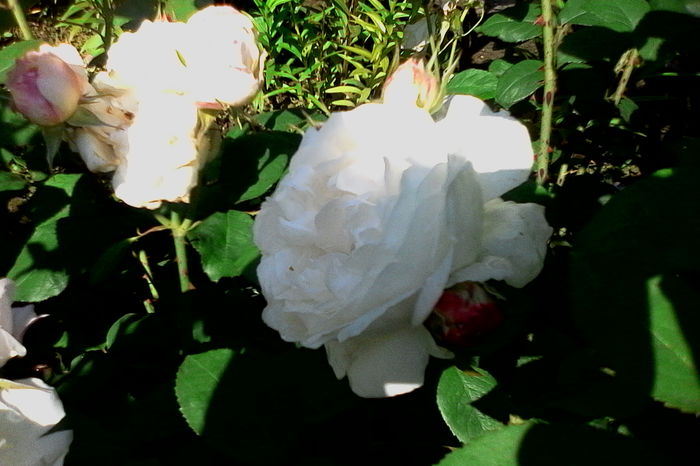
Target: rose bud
{"x":412,"y":84}
{"x":463,"y":314}
{"x":45,"y":88}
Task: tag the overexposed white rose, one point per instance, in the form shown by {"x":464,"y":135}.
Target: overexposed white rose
{"x":213,"y":58}
{"x":29,"y":409}
{"x":161,"y":163}
{"x":146,"y":124}
{"x":383,"y":208}
{"x":224,"y":57}
{"x":148,"y":60}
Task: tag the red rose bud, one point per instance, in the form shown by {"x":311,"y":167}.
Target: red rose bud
{"x":463,"y":315}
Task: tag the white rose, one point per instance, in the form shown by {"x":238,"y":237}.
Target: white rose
{"x":29,"y":409}
{"x":214,"y":57}
{"x":13,"y":322}
{"x":224,"y":57}
{"x":381,"y":210}
{"x":161,"y":163}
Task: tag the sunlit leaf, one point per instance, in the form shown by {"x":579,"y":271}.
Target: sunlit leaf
{"x":225,"y":244}
{"x":519,"y":82}
{"x":456,"y":390}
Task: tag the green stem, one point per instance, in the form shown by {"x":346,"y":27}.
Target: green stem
{"x":179,"y":228}
{"x":20,"y":19}
{"x":143,"y":259}
{"x":550,"y":83}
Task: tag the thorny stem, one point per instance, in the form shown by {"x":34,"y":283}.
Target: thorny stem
{"x":550,"y":82}
{"x":629,"y":60}
{"x":20,"y":19}
{"x":143,"y":259}
{"x":179,"y":228}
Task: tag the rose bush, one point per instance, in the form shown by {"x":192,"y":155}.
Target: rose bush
{"x":383,"y":208}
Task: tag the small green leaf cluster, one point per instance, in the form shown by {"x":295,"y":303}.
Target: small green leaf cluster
{"x":326,"y":55}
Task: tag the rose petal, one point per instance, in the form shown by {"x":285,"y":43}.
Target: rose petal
{"x":515,"y":244}
{"x":28,"y":410}
{"x":384,"y":365}
{"x":497,"y":145}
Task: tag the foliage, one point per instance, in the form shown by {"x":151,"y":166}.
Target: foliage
{"x":596,"y":362}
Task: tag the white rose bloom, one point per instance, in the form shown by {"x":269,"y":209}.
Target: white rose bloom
{"x":29,"y":409}
{"x":212,"y":58}
{"x":161,"y":163}
{"x":146,"y":128}
{"x":224,"y":57}
{"x":13,"y":322}
{"x":149,"y":60}
{"x":381,"y":210}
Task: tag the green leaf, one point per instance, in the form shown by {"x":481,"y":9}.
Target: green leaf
{"x":515,"y":25}
{"x":498,"y":67}
{"x":9,"y":54}
{"x":15,"y":129}
{"x":519,"y":82}
{"x":181,"y":10}
{"x":593,"y":44}
{"x":240,"y":402}
{"x":73,"y":224}
{"x":644,"y":329}
{"x":196,"y":382}
{"x":124,"y":325}
{"x":38,"y":271}
{"x":11,"y":182}
{"x":35,"y":273}
{"x":261,"y":156}
{"x":627,"y":107}
{"x":620,"y":15}
{"x":479,"y":83}
{"x":109,"y":260}
{"x":285,"y":120}
{"x":551,"y":445}
{"x":225,"y":244}
{"x":455,"y":393}
{"x":676,"y":381}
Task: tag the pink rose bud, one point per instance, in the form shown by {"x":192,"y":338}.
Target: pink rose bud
{"x":412,"y":84}
{"x":44,"y":88}
{"x":463,"y":314}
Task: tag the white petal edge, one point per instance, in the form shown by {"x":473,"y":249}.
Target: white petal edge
{"x":497,"y":145}
{"x":384,"y":365}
